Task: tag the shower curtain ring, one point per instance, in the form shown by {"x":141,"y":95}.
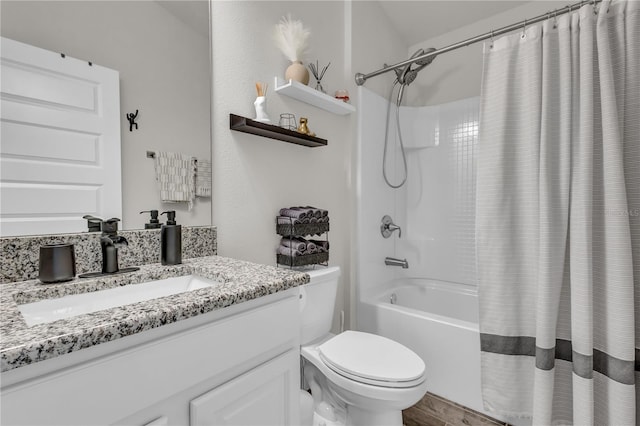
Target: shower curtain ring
{"x":491,"y":45}
{"x":524,"y":28}
{"x":555,"y":18}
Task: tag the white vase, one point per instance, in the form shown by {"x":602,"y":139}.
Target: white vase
{"x":261,"y":109}
{"x":298,"y":72}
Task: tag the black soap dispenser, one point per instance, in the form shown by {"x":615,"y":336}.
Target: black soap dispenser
{"x":171,"y":241}
{"x":154,"y":223}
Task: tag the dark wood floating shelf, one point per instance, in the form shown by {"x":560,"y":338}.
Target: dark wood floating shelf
{"x":247,"y":125}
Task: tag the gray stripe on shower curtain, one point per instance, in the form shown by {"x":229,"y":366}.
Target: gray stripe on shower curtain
{"x":617,"y":369}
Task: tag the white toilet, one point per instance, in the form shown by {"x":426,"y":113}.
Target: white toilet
{"x":355,"y":378}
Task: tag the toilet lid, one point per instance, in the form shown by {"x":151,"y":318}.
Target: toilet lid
{"x":372,"y":359}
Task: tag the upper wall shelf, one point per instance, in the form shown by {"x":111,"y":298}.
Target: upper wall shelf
{"x":306,"y":94}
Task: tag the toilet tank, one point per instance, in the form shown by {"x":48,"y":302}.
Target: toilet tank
{"x":317,"y":302}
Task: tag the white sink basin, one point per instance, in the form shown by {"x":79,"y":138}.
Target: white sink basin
{"x":50,"y":310}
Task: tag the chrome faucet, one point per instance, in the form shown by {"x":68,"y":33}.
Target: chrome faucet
{"x":392,"y":261}
{"x":387,"y":227}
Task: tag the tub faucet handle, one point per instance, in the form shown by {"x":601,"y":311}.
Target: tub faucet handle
{"x":387,"y":227}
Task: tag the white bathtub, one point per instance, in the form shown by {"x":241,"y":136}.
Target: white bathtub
{"x":439,"y":321}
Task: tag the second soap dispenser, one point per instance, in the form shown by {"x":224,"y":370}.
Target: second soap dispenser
{"x":171,"y":241}
{"x":153,"y":223}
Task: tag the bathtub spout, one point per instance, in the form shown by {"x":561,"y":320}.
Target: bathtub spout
{"x":392,"y":261}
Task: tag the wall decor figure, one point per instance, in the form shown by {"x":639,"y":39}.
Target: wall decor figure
{"x":132,"y":120}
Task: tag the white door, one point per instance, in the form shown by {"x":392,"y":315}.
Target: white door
{"x":268,"y":395}
{"x":59,"y":141}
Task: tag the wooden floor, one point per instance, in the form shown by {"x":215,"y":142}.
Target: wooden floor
{"x":433,"y":410}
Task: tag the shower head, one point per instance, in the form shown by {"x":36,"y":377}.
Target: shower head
{"x":409,"y":76}
{"x":406,"y":75}
{"x":426,"y":61}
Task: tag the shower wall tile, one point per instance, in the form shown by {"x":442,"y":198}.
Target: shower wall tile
{"x":437,"y":205}
{"x":19,"y":256}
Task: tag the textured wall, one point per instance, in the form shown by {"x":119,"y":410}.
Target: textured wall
{"x":254,"y":177}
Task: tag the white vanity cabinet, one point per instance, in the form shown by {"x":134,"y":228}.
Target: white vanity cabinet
{"x":236,"y":365}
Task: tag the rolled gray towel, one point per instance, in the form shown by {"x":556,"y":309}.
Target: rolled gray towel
{"x":311,"y":247}
{"x":314,"y":211}
{"x":308,"y":211}
{"x":313,"y":219}
{"x":288,"y":251}
{"x":322,"y":245}
{"x":298,"y":244}
{"x":319,"y":212}
{"x":323,"y":219}
{"x":294,"y":212}
{"x":285,"y":220}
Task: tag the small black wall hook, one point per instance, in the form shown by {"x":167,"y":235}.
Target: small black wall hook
{"x":132,"y":120}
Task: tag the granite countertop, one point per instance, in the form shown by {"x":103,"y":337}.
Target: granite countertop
{"x":22,"y":345}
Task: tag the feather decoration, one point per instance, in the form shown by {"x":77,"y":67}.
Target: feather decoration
{"x":291,"y":38}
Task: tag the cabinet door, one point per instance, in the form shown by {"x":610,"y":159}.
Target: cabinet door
{"x":266,"y":395}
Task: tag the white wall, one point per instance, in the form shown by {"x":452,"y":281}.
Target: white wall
{"x":164,"y":73}
{"x":457,"y":74}
{"x":374,"y":43}
{"x":253,"y":177}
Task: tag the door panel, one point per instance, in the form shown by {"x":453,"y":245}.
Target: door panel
{"x":60,"y":150}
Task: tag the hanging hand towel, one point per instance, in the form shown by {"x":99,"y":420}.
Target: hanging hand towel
{"x":175,"y":174}
{"x":203,"y":178}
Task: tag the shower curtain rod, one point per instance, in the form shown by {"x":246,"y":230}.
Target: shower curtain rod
{"x":361,"y":78}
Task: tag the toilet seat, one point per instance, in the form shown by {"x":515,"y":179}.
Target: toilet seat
{"x":372,"y":359}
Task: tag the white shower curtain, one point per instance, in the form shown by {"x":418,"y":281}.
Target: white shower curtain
{"x":558,"y":219}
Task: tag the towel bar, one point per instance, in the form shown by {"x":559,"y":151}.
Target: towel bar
{"x":152,"y":154}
